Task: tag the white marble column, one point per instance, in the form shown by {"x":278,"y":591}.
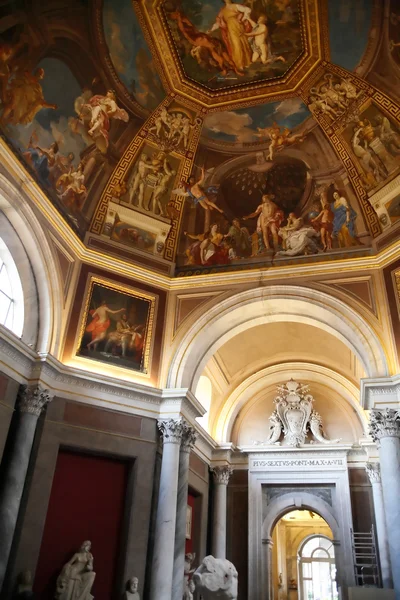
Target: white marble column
{"x":30,"y":403}
{"x":267,"y":571}
{"x":374,"y":474}
{"x":385,"y":431}
{"x":221,"y":480}
{"x":188,"y":441}
{"x":163,"y":557}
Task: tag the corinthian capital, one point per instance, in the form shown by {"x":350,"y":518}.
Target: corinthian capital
{"x":172,"y":430}
{"x":189,"y":438}
{"x":32,"y":399}
{"x":373,"y":472}
{"x":384,"y":423}
{"x":222,"y":474}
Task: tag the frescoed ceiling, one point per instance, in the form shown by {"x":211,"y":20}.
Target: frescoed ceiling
{"x":198,"y":136}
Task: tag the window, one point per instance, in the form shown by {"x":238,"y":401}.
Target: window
{"x":11,"y":295}
{"x":317,"y":571}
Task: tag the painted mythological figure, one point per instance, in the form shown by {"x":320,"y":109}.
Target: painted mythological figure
{"x":270,"y":216}
{"x":96,"y":115}
{"x":100,"y":323}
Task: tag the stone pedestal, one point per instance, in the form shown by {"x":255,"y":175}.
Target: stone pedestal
{"x":374,"y":474}
{"x":221,"y":480}
{"x":385,"y":431}
{"x":188,"y":441}
{"x":163,"y":558}
{"x":31,"y":401}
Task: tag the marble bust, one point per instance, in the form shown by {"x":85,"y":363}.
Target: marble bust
{"x":77,"y":576}
{"x":216,"y":578}
{"x":24,"y":586}
{"x":132,"y":587}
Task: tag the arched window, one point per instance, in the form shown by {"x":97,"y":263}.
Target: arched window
{"x":11,"y":294}
{"x":317,"y":571}
{"x":204,"y":395}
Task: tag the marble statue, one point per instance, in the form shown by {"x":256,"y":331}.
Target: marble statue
{"x":189,"y":558}
{"x":77,"y":576}
{"x":188,"y":595}
{"x":132,"y":587}
{"x":216,"y":578}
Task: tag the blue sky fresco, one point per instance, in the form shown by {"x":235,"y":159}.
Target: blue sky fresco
{"x":349,"y":24}
{"x":62,"y":88}
{"x":241,"y":125}
{"x":130,"y":54}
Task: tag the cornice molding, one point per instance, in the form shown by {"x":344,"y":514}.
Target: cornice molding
{"x":380,"y":392}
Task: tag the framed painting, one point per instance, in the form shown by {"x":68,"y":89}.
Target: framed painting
{"x":188,"y":522}
{"x":117,"y":325}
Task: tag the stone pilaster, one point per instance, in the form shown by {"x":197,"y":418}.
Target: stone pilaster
{"x":385,"y":431}
{"x":30,"y":403}
{"x":172,"y":431}
{"x":221,"y":480}
{"x":374,"y":474}
{"x":187,"y":444}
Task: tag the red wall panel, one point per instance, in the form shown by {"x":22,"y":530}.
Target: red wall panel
{"x":86,"y":503}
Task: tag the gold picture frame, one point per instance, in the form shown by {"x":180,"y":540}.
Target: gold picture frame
{"x":116,"y":325}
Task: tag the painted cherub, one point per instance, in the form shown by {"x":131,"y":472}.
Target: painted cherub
{"x":258,"y":38}
{"x":280,"y":137}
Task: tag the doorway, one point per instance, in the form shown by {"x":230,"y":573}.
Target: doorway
{"x":303,"y":558}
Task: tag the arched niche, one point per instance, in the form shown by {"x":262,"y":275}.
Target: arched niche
{"x":254,"y":390}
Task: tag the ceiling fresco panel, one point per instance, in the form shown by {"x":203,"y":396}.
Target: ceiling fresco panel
{"x":221,"y":45}
{"x":236,"y":51}
{"x":350,"y":22}
{"x":192,"y":136}
{"x":130,"y":54}
{"x":254,"y":124}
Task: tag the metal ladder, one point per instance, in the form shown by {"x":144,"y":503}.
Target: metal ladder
{"x":365,"y":559}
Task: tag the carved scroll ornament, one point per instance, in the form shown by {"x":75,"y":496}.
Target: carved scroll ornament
{"x":294,"y":417}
